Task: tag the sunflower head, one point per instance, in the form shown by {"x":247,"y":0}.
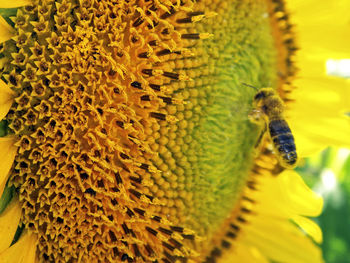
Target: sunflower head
{"x":127,"y":125}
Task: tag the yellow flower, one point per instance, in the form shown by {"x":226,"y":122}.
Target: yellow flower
{"x":126,"y":131}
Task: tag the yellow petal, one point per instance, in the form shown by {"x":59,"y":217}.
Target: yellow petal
{"x":301,"y":199}
{"x":320,"y":121}
{"x":13,"y":3}
{"x":6,"y":31}
{"x":317,"y":136}
{"x":318,"y":114}
{"x":325,"y":28}
{"x":287,"y":195}
{"x":272,"y":231}
{"x":21,"y":252}
{"x":328,"y":89}
{"x":280,"y":241}
{"x":310,"y":227}
{"x":7,"y":155}
{"x":243,"y":253}
{"x":6,"y":99}
{"x":9,"y":221}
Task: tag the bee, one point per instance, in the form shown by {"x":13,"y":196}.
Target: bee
{"x":269,"y":107}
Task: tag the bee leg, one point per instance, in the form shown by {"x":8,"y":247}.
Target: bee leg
{"x":262,"y":133}
{"x":255,"y":116}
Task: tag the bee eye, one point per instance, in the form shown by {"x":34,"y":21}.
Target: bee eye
{"x":259,"y":95}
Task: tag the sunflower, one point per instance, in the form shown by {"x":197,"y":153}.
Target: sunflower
{"x":126,"y":134}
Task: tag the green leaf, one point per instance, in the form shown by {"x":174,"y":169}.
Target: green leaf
{"x":6,"y":197}
{"x":7,"y":13}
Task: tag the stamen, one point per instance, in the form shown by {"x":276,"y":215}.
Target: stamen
{"x":197,"y":36}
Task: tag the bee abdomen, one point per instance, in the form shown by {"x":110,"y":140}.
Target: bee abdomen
{"x":278,"y":127}
{"x":283,"y":141}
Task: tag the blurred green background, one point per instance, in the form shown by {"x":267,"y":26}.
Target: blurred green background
{"x":326,"y":175}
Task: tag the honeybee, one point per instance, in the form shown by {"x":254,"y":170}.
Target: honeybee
{"x":269,"y":107}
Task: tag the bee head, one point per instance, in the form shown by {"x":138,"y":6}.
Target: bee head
{"x":263,"y":94}
{"x":260,"y":95}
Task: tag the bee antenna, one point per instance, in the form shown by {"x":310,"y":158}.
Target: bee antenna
{"x":245,"y":84}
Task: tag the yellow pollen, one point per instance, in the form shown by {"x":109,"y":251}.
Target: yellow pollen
{"x":205,"y":35}
{"x":89,"y":87}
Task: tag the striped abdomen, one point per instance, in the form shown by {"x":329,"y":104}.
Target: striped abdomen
{"x":283,"y":142}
